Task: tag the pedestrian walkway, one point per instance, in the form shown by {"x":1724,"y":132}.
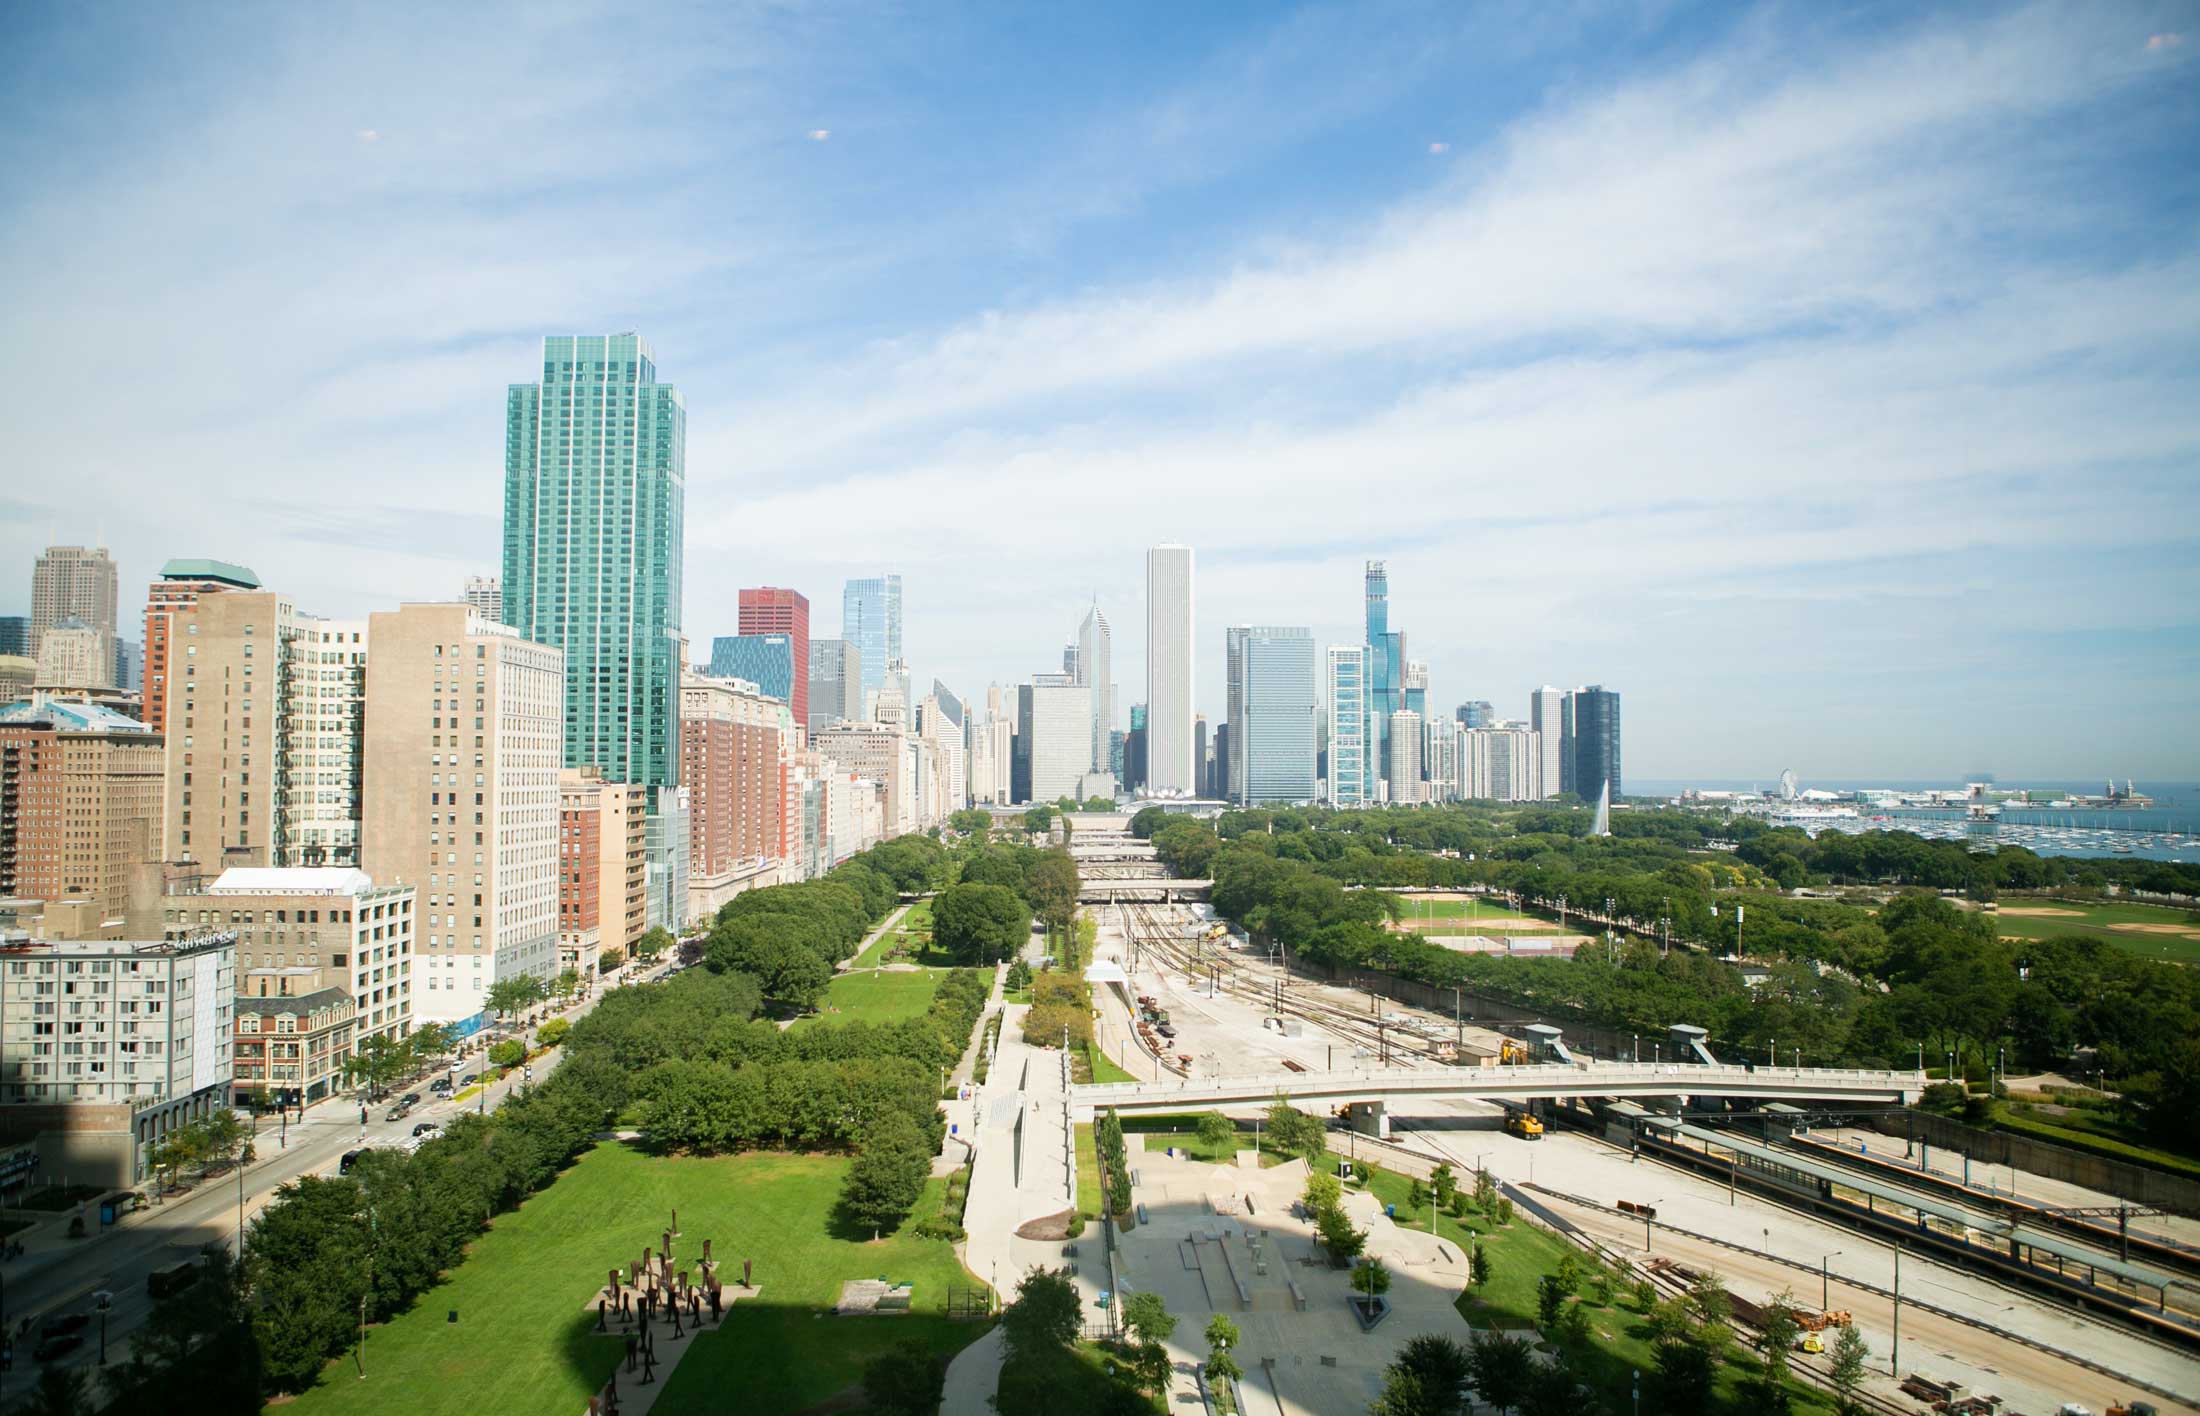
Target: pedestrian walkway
{"x":635,"y":1398}
{"x":975,"y":1374}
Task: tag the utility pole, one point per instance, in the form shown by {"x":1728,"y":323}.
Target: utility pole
{"x":1894,"y":1354}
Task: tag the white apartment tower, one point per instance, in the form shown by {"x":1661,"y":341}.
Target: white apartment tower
{"x":1170,"y":764}
{"x":1546,"y":715}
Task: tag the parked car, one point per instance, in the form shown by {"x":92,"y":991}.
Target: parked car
{"x":426,"y":1128}
{"x":53,"y":1347}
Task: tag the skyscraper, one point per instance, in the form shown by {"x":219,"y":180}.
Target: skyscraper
{"x":1171,"y":765}
{"x":1405,"y":757}
{"x":1596,"y":742}
{"x":1057,"y":727}
{"x":1271,"y":689}
{"x":836,"y":683}
{"x":486,"y":594}
{"x":772,"y":609}
{"x":1546,"y":712}
{"x":1386,"y":667}
{"x":181,"y":584}
{"x":870,"y":619}
{"x":766,"y":660}
{"x":1345,"y":670}
{"x":1093,"y":669}
{"x":595,"y":488}
{"x":72,"y":582}
{"x":1477,"y":714}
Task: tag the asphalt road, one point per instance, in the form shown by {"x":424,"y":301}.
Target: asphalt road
{"x":50,"y":1282}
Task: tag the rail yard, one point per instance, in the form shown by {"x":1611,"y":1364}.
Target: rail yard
{"x":2017,"y":1295}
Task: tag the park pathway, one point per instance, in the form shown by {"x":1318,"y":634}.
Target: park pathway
{"x":890,"y":922}
{"x":975,"y":1375}
{"x":635,"y":1399}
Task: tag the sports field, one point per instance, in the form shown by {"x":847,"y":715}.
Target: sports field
{"x":2169,"y":935}
{"x":524,"y":1340}
{"x":1448,"y":914}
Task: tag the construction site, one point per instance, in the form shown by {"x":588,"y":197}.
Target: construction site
{"x":1977,"y":1289}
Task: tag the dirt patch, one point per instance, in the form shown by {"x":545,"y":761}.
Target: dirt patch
{"x":2175,"y":931}
{"x":1052,"y":1227}
{"x":2040,"y":912}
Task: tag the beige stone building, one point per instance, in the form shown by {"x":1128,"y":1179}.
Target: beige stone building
{"x":228,"y":659}
{"x":463,"y":745}
{"x":76,"y":655}
{"x":337,"y":920}
{"x":80,"y":804}
{"x":603,"y":867}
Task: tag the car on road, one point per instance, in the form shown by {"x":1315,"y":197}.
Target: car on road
{"x":160,"y":1283}
{"x":62,"y":1324}
{"x":469,"y":1079}
{"x":440,"y":1084}
{"x":350,"y":1158}
{"x":410,"y":1099}
{"x":426,"y":1128}
{"x":53,"y":1347}
{"x":398,"y":1112}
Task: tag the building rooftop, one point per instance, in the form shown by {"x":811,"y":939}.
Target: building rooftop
{"x":292,"y":880}
{"x":67,"y":715}
{"x":123,"y":948}
{"x":293,"y":1005}
{"x":190,"y":568}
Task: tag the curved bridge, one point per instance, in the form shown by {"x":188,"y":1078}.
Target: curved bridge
{"x":1522,"y":1083}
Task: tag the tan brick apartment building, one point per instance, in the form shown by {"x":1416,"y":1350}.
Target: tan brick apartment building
{"x":80,"y":807}
{"x":603,"y":867}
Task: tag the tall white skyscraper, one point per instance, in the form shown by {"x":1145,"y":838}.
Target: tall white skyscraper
{"x":1093,"y":668}
{"x":1546,"y":710}
{"x":1170,"y":766}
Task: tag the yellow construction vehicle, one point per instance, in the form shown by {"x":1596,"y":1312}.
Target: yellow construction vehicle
{"x":1810,"y":1342}
{"x":1512,"y":1053}
{"x":1521,"y":1124}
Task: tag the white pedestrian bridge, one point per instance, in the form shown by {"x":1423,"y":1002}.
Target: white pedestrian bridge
{"x":1514,"y":1083}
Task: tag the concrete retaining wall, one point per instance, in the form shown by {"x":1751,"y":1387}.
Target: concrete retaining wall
{"x":2095,"y":1172}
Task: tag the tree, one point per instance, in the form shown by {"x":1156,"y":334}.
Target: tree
{"x":1294,"y":1132}
{"x":508,"y":1053}
{"x":905,"y":1380}
{"x":1046,"y":1315}
{"x":511,"y":996}
{"x":1437,"y":1367}
{"x":1445,"y":1183}
{"x":1781,"y":1328}
{"x":1552,"y":1390}
{"x":1151,"y":1367}
{"x":1686,"y":1370}
{"x":377,"y":1062}
{"x":1549,"y":1296}
{"x":654,"y":941}
{"x":430,"y":1041}
{"x":888,"y":1175}
{"x":1500,"y":1366}
{"x":1846,"y":1371}
{"x":1039,"y":820}
{"x":610,"y":959}
{"x":568,"y":983}
{"x":195,"y":1355}
{"x":1371,"y":1279}
{"x":1323,"y":1192}
{"x":1216,"y":1131}
{"x":980,"y":924}
{"x":1147,"y":1316}
{"x":1050,"y":886}
{"x":552,"y":1033}
{"x":1222,"y":1335}
{"x":1405,"y":1394}
{"x":971,"y":821}
{"x":1478,"y":1267}
{"x":1338,"y":1236}
{"x":61,"y":1391}
{"x":1485,"y":1190}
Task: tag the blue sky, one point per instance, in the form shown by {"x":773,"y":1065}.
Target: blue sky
{"x":1825,"y":378}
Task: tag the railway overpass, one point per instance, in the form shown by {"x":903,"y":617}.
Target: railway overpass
{"x":1518,"y":1083}
{"x":1142,"y":891}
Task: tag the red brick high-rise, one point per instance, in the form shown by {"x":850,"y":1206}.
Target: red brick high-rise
{"x":767,"y":609}
{"x":181,"y":584}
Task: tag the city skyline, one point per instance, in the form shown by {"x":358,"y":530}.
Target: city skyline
{"x":1836,"y":451}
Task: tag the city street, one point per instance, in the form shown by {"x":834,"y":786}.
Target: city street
{"x":58,"y":1275}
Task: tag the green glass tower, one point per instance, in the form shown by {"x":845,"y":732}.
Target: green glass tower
{"x":595,"y":485}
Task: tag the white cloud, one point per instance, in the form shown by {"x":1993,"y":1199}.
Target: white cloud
{"x":818,"y":135}
{"x":1438,"y":149}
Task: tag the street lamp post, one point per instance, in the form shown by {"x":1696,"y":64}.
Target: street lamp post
{"x":1825,"y":1280}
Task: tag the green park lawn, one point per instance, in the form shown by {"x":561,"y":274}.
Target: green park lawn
{"x":524,"y":1340}
{"x":875,"y":997}
{"x":1089,"y":1198}
{"x":913,"y":932}
{"x":2171,"y":937}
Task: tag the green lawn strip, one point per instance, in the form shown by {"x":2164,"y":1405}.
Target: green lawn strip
{"x":1104,"y":1069}
{"x":524,"y":1342}
{"x":1186,"y":1142}
{"x":2077,"y":1132}
{"x":874,"y":998}
{"x":1089,"y":1198}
